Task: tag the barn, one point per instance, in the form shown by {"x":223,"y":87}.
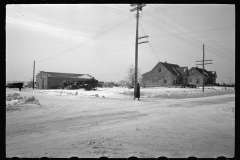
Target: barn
{"x":165,"y":74}
{"x":54,"y":80}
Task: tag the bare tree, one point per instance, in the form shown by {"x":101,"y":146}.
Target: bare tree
{"x":131,"y":76}
{"x":123,"y":83}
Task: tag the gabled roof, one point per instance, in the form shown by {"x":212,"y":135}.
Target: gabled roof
{"x":171,"y":68}
{"x":210,"y":74}
{"x":85,"y":77}
{"x":146,"y":73}
{"x":61,"y":75}
{"x":183,"y":70}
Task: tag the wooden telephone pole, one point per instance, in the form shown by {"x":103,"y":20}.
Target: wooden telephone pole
{"x":33,"y":72}
{"x":203,"y":63}
{"x":137,"y":7}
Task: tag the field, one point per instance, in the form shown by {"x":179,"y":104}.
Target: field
{"x":171,"y":122}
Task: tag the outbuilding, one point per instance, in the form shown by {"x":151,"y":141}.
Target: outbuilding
{"x":54,"y":80}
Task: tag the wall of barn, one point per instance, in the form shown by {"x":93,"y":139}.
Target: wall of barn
{"x":159,"y":76}
{"x":41,"y":81}
{"x":55,"y":82}
{"x":38,"y":83}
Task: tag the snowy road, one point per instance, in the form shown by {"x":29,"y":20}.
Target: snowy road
{"x":95,"y":127}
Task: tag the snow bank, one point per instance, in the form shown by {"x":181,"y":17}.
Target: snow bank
{"x":125,"y":93}
{"x":14,"y":101}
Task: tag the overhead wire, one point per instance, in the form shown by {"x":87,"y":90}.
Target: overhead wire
{"x":152,"y":47}
{"x":194,"y":32}
{"x":162,"y":28}
{"x":52,"y":23}
{"x":149,"y":43}
{"x":111,"y":10}
{"x":121,"y":5}
{"x":60,"y":53}
{"x":76,"y":35}
{"x":164,"y":8}
{"x":149,"y":22}
{"x":221,"y":75}
{"x":92,"y":38}
{"x":188,"y":27}
{"x":210,"y":48}
{"x":183,"y":40}
{"x":116,"y":7}
{"x":108,"y":51}
{"x":175,"y":7}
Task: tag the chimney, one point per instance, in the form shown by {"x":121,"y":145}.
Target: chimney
{"x":165,"y":61}
{"x":196,"y":66}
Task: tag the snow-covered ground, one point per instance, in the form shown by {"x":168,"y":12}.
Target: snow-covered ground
{"x":171,"y":122}
{"x":125,"y":93}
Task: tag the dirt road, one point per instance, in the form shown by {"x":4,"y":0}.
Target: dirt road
{"x":94,"y":127}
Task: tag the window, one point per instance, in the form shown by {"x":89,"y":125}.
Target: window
{"x":190,"y":79}
{"x":175,"y":80}
{"x":165,"y":81}
{"x":198,"y":80}
{"x":159,"y":69}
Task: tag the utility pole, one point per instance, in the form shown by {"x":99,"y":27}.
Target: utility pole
{"x":33,"y":72}
{"x":203,"y":63}
{"x":137,"y":7}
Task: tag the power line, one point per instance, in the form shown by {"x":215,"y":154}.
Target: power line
{"x":164,"y":8}
{"x":149,"y":43}
{"x":203,"y":63}
{"x":195,"y":32}
{"x":96,"y":36}
{"x":221,"y":75}
{"x":122,"y":6}
{"x":110,"y":50}
{"x":225,"y":56}
{"x":28,"y":29}
{"x":159,"y":27}
{"x":110,"y":10}
{"x":222,"y":66}
{"x":154,"y":25}
{"x":175,"y":7}
{"x":52,"y":23}
{"x":188,"y":27}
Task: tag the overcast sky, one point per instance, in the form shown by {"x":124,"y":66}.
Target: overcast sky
{"x":100,"y":39}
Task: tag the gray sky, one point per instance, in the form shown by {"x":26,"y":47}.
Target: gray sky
{"x":100,"y":39}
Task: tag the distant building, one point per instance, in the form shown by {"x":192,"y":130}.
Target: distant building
{"x":30,"y":84}
{"x":54,"y":80}
{"x":196,"y":77}
{"x":100,"y":83}
{"x":165,"y":74}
